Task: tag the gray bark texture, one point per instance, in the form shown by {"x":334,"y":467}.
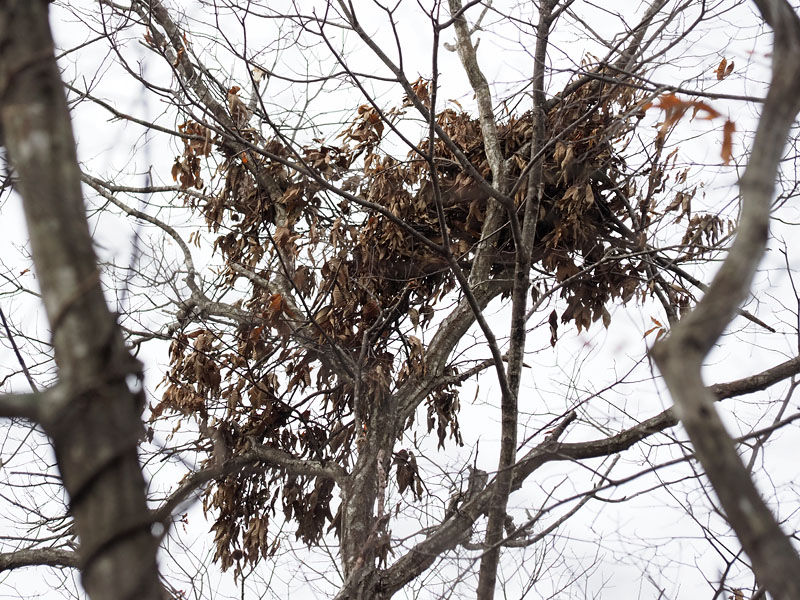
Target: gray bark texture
{"x":680,"y":357}
{"x":93,"y":413}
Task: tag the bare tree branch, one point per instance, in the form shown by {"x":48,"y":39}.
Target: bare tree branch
{"x":680,"y":356}
{"x":33,"y":557}
{"x":25,"y":406}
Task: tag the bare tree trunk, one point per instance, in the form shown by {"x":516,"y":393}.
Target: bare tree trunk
{"x":508,"y":452}
{"x":680,"y":356}
{"x":93,"y":414}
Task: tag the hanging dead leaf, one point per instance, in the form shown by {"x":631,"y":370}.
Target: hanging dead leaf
{"x":589,"y":195}
{"x":237,"y":108}
{"x":659,"y":329}
{"x":724,"y":69}
{"x":606,"y":317}
{"x":275,"y":304}
{"x":413,"y":314}
{"x":727,"y":141}
{"x":323,"y":315}
{"x":720,"y":72}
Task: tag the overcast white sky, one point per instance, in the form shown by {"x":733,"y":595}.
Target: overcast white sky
{"x":652,"y":529}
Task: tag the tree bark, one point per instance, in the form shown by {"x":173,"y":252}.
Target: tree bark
{"x":680,"y":357}
{"x":521,"y":287}
{"x":93,"y":414}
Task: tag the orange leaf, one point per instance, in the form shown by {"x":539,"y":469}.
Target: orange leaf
{"x":275,"y":303}
{"x":669,"y":101}
{"x":727,"y":141}
{"x":710,"y":112}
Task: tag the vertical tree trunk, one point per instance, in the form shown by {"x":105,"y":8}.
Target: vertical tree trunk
{"x":93,"y":414}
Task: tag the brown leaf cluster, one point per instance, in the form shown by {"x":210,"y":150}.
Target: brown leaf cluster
{"x":357,"y":273}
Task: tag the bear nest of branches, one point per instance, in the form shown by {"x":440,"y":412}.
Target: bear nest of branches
{"x":334,"y":273}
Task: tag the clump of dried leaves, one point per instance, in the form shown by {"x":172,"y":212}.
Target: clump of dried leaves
{"x":341,"y":283}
